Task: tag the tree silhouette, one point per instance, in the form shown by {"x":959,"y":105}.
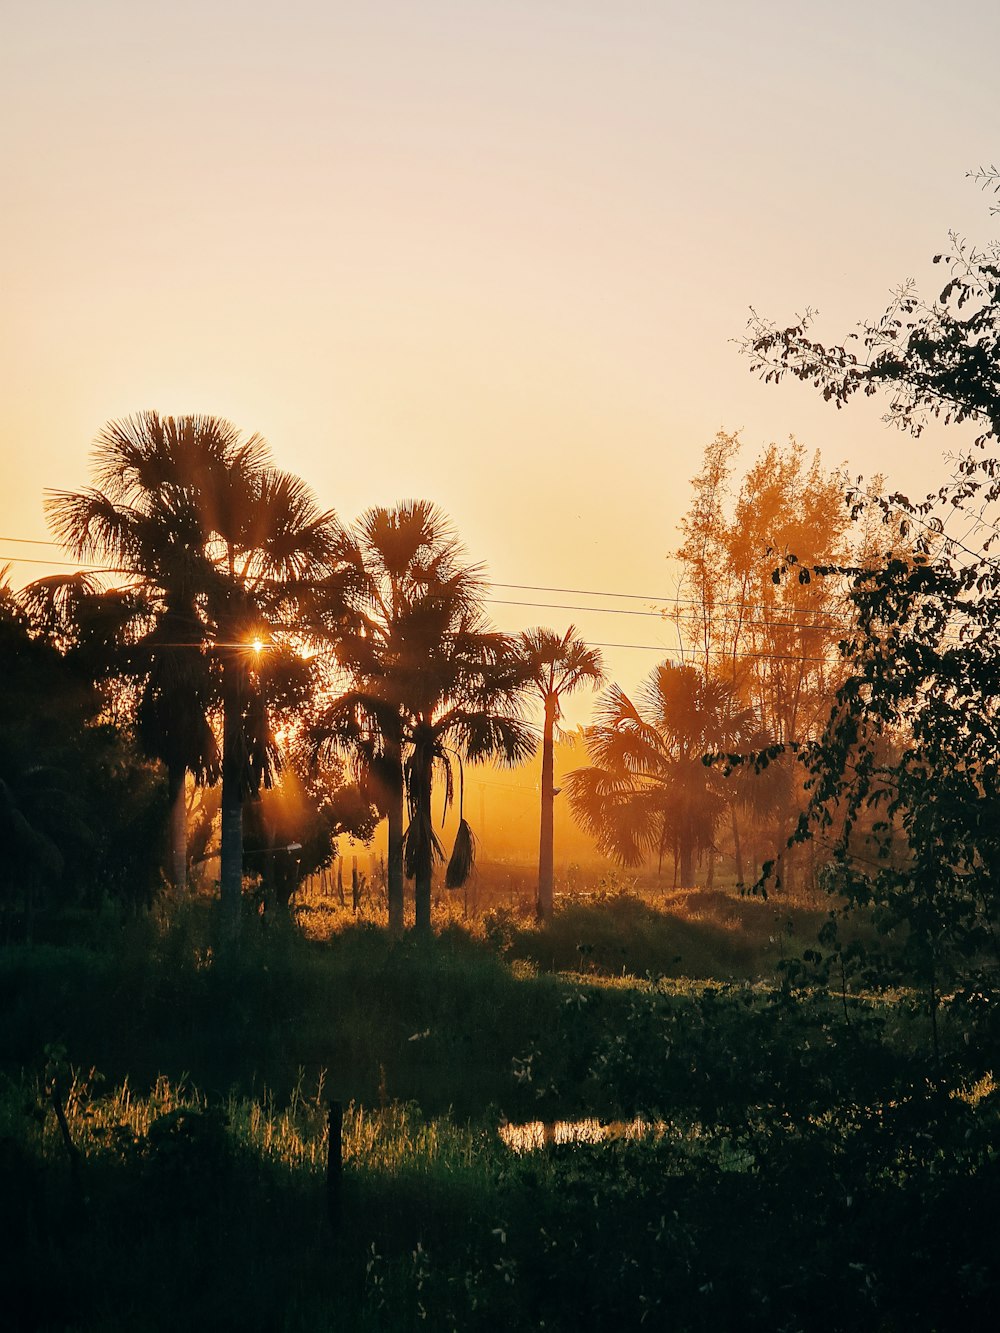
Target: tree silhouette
{"x":468,"y":701}
{"x":76,"y":803}
{"x":147,"y":654}
{"x":903,"y":779}
{"x":225,"y":544}
{"x":427,"y":675}
{"x":648,"y":791}
{"x":557,"y":665}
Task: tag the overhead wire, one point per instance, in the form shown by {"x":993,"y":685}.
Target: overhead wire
{"x":649,"y":599}
{"x":598,"y":610}
{"x":676,"y":600}
{"x":91,"y":566}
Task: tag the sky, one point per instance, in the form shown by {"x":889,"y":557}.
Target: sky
{"x":494,"y":253}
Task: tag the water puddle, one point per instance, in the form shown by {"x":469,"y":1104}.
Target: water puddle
{"x":536,"y":1134}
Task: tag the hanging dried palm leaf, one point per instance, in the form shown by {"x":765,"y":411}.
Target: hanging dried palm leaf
{"x":463,"y":856}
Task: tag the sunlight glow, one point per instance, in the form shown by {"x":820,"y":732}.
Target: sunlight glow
{"x":539,"y":1134}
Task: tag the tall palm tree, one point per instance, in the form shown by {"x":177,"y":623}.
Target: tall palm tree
{"x":648,"y":791}
{"x":425,"y":672}
{"x":397,"y":568}
{"x":557,"y":665}
{"x":190,"y":509}
{"x":173,"y":718}
{"x":468,"y":701}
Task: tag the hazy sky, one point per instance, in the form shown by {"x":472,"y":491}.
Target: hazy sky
{"x":489,"y":252}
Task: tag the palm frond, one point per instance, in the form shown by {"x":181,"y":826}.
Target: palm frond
{"x":463,"y":857}
{"x":648,"y":787}
{"x":559,"y":664}
{"x":487,"y":736}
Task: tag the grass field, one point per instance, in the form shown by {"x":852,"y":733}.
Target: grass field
{"x":808,"y":1163}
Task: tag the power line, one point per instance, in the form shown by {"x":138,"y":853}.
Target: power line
{"x":715,"y":652}
{"x":90,"y":566}
{"x":542,"y":606}
{"x":674,"y":600}
{"x":83,"y":566}
{"x":558,"y":606}
{"x":578,"y":592}
{"x":94,"y":567}
{"x":659,"y":615}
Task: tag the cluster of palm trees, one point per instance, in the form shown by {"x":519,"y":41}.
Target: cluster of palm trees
{"x":240,"y":601}
{"x":240,"y":595}
{"x":431,"y":682}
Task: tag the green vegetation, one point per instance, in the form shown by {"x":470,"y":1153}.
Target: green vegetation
{"x":808,"y":1161}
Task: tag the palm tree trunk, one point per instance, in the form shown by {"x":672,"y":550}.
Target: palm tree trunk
{"x":543,"y":905}
{"x":231,"y":874}
{"x":422,"y":879}
{"x":178,"y":825}
{"x":394,"y":867}
{"x":687,"y":863}
{"x":737,"y":845}
{"x":425,"y":860}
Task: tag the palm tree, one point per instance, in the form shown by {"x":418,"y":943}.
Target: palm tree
{"x":468,"y":701}
{"x":425,"y":672}
{"x":396,"y":569}
{"x":557,"y":666}
{"x":173,"y":718}
{"x":648,"y":791}
{"x":191,"y":510}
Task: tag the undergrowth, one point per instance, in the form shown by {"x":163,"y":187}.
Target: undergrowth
{"x":813,"y":1159}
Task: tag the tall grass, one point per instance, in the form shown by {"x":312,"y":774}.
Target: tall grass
{"x":813,"y":1163}
{"x":202,"y":1213}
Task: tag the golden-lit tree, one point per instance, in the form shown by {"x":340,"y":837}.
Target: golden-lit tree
{"x":648,"y":791}
{"x":557,"y":665}
{"x":752,"y":613}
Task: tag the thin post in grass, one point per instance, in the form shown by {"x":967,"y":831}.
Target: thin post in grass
{"x":335,"y":1164}
{"x":72,"y":1151}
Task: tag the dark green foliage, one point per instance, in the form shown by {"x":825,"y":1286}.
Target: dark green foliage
{"x":187,"y":1153}
{"x":78,"y":807}
{"x":904,"y":781}
{"x":700,"y":934}
{"x":813,"y":1168}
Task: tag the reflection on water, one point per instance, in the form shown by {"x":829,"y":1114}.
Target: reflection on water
{"x":542,"y":1133}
